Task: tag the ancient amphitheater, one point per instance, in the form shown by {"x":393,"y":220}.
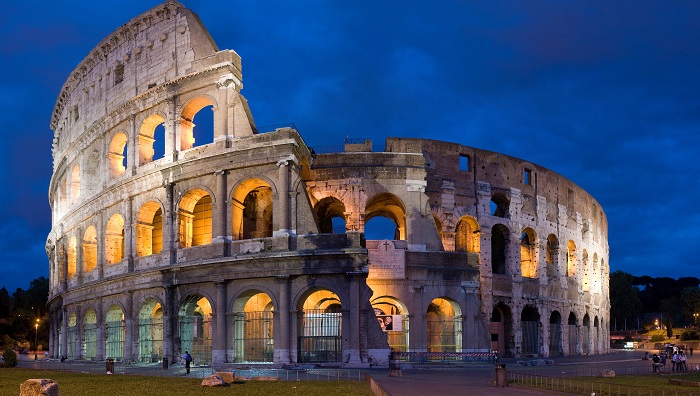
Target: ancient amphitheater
{"x":245,"y":245}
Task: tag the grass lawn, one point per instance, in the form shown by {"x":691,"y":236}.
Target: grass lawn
{"x":70,"y":383}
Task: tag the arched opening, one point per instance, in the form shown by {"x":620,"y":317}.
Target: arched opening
{"x":499,"y":205}
{"x":196,"y":123}
{"x":499,"y":248}
{"x":467,"y":235}
{"x":528,"y":255}
{"x":552,"y":255}
{"x":75,"y":184}
{"x":387,"y":206}
{"x":556,"y":335}
{"x":253,"y":328}
{"x":596,"y":335}
{"x":114,"y":239}
{"x":114,"y":329}
{"x":252,"y":210}
{"x":444,"y":326}
{"x":72,"y":336}
{"x":72,"y":257}
{"x":89,"y":249}
{"x":571,"y":259}
{"x":502,"y":330}
{"x":194,"y":215}
{"x":151,"y":331}
{"x":595,"y":275}
{"x":320,"y":328}
{"x":149,"y":229}
{"x":148,"y":145}
{"x":438,"y":226}
{"x":89,"y":334}
{"x":529,"y":322}
{"x":392,"y":317}
{"x":196,"y":329}
{"x":330,"y":213}
{"x":117,"y":154}
{"x":586,"y":330}
{"x":573,"y":335}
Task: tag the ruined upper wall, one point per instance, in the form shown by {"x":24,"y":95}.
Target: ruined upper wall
{"x":149,"y":52}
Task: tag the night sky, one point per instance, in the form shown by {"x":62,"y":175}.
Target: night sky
{"x":605,"y":93}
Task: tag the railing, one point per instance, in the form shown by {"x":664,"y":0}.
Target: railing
{"x":445,"y":357}
{"x":273,"y":127}
{"x":340,"y":148}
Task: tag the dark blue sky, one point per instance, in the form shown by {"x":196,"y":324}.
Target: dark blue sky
{"x":605,"y":93}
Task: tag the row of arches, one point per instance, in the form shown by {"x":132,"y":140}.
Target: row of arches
{"x":152,"y":142}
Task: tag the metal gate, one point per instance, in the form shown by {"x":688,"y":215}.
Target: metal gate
{"x":90,"y":341}
{"x":444,"y":332}
{"x":195,"y":337}
{"x":531,"y":339}
{"x":586,"y":347}
{"x":115,"y":340}
{"x":253,"y":336}
{"x":70,"y":353}
{"x":150,"y":340}
{"x":556,"y":339}
{"x":321,"y":337}
{"x":398,"y":340}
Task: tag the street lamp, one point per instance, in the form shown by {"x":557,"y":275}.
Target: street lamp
{"x":695,"y":316}
{"x":36,"y":337}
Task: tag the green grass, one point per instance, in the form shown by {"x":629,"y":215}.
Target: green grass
{"x":652,"y":384}
{"x":70,"y":383}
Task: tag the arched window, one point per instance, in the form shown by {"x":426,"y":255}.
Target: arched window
{"x":149,"y":229}
{"x":390,"y":207}
{"x":89,"y":249}
{"x":499,"y":248}
{"x":191,"y":135}
{"x":330,"y":213}
{"x":571,"y":260}
{"x":148,"y":146}
{"x":552,"y":255}
{"x":195,"y":227}
{"x":72,"y":257}
{"x":500,"y":205}
{"x":117,"y":154}
{"x":114,"y":239}
{"x":528,"y":257}
{"x":467,"y":235}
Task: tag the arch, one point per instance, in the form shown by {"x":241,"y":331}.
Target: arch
{"x":114,"y":333}
{"x":147,"y":141}
{"x":596,"y":335}
{"x":150,"y":330}
{"x":321,"y":330}
{"x":72,"y":256}
{"x":573,"y":334}
{"x":89,"y":249}
{"x":114,"y":239}
{"x":444,"y":326}
{"x":196,"y":328}
{"x":329,"y":211}
{"x":552,"y":255}
{"x":595,"y":275}
{"x":149,"y":229}
{"x":75,"y":184}
{"x":253,"y":327}
{"x":468,"y":235}
{"x":499,"y":248}
{"x":389,"y":206}
{"x":117,"y":154}
{"x":194,"y":219}
{"x":528,"y":253}
{"x":501,"y":330}
{"x":556,"y":334}
{"x":393,"y":310}
{"x":89,"y":345}
{"x":500,"y":205}
{"x":529,"y":322}
{"x":586,"y":335}
{"x":72,"y":336}
{"x":190,"y":136}
{"x":252,"y":209}
{"x":571,"y":259}
{"x":438,"y":225}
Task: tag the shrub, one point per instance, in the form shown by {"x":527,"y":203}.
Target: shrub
{"x":10,"y":358}
{"x":690,"y":335}
{"x":657,"y":338}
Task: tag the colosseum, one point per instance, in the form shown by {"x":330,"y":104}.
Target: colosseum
{"x":244,"y":245}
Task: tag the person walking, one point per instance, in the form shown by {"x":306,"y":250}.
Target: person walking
{"x":188,"y":361}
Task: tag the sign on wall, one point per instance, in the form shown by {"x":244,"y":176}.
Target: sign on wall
{"x":387,"y":262}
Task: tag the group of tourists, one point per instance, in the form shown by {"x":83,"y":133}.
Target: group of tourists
{"x":679,"y":360}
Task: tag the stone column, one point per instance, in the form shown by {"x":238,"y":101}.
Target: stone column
{"x":169,"y":220}
{"x":64,"y":333}
{"x":79,"y":256}
{"x":172,"y":129}
{"x":219,"y":347}
{"x":283,"y":197}
{"x":282,"y":334}
{"x":79,"y":333}
{"x":418,"y":329}
{"x":100,"y":338}
{"x":132,"y":160}
{"x":169,"y":324}
{"x":101,"y":245}
{"x":129,"y":235}
{"x":129,"y":328}
{"x":354,"y":313}
{"x":219,"y":222}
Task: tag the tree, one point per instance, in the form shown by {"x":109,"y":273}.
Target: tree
{"x":5,"y":303}
{"x":690,"y":298}
{"x":624,"y":298}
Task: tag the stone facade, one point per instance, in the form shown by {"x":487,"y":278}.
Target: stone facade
{"x":242,"y":245}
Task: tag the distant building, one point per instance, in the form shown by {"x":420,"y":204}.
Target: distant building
{"x":245,"y":245}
